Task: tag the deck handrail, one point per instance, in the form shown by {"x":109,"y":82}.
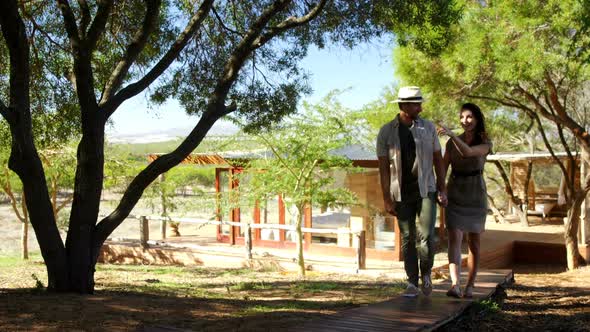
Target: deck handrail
{"x":343,"y":230}
{"x":248,"y":226}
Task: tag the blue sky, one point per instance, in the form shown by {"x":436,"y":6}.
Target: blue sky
{"x":365,"y":70}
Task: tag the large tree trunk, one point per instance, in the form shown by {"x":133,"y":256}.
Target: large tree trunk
{"x":574,"y":259}
{"x":24,"y":159}
{"x":85,"y":208}
{"x":30,"y":171}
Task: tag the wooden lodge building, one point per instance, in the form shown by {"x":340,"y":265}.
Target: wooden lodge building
{"x":382,"y":234}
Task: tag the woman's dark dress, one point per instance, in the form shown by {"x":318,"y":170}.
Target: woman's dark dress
{"x":468,"y":205}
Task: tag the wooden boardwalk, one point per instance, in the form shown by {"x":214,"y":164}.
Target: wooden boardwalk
{"x":410,"y":314}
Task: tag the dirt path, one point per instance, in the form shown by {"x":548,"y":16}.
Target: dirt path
{"x":542,"y":299}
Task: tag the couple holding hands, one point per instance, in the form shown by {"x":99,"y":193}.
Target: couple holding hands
{"x":408,"y":150}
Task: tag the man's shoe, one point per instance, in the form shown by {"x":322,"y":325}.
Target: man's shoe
{"x":426,"y":285}
{"x":411,"y":291}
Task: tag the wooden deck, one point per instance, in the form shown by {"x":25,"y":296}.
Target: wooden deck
{"x":410,"y":314}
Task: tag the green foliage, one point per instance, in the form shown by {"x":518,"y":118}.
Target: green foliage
{"x":178,"y":182}
{"x":276,"y":82}
{"x":301,"y":160}
{"x":60,"y":167}
{"x":425,"y":25}
{"x":503,"y":48}
{"x":486,"y":306}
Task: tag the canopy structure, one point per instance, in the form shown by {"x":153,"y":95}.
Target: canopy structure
{"x":360,"y":156}
{"x":539,"y":157}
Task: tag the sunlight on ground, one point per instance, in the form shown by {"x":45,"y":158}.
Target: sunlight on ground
{"x":128,"y":297}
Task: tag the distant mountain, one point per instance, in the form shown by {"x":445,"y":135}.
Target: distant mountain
{"x":221,"y":128}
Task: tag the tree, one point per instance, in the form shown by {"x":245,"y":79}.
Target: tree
{"x":59,"y":167}
{"x":215,"y":57}
{"x":524,"y":56}
{"x":163,"y":195}
{"x":301,"y":163}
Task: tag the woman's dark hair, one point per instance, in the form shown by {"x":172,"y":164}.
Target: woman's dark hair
{"x":480,"y":128}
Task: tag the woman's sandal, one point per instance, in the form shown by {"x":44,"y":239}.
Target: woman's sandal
{"x":468,"y":292}
{"x":455,"y":291}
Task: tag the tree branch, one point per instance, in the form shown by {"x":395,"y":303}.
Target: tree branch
{"x":529,"y":172}
{"x":225,"y":27}
{"x":70,"y":23}
{"x":15,"y":37}
{"x":554,"y":97}
{"x":245,"y":47}
{"x":85,"y":21}
{"x":8,"y":191}
{"x":37,"y":27}
{"x":564,"y":119}
{"x":4,"y":111}
{"x":278,"y":156}
{"x":133,"y":50}
{"x":497,"y":100}
{"x":507,"y":185}
{"x":570,"y":156}
{"x":549,"y":147}
{"x":165,"y":162}
{"x":64,"y":203}
{"x":135,"y":88}
{"x":98,"y":24}
{"x":289,"y":23}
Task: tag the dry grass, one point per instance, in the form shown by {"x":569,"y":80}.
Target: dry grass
{"x":135,"y":297}
{"x":542,"y":299}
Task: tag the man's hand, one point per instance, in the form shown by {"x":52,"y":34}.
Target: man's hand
{"x":390,"y":207}
{"x":442,"y":198}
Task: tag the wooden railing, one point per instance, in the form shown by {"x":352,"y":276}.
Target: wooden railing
{"x":361,"y":252}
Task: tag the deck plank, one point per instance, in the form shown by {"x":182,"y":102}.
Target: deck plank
{"x":410,"y":314}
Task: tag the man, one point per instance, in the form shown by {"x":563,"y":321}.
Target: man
{"x":407,"y":149}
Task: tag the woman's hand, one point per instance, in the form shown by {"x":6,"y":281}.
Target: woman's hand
{"x":444,"y":130}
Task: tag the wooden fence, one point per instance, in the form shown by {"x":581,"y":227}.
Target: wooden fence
{"x":361,"y":252}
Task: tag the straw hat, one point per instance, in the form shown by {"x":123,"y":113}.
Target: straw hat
{"x":409,"y":94}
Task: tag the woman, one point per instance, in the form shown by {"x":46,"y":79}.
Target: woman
{"x":467,"y":199}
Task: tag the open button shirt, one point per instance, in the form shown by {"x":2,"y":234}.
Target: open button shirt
{"x":426,"y":139}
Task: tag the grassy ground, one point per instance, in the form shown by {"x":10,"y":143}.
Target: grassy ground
{"x":543,"y":298}
{"x":132,"y":297}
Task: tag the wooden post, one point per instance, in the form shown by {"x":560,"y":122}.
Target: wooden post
{"x":256,"y":215}
{"x":144,"y":231}
{"x":397,"y":249}
{"x":235,"y":214}
{"x":218,"y":203}
{"x":164,"y":209}
{"x":361,"y":251}
{"x":248,"y":241}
